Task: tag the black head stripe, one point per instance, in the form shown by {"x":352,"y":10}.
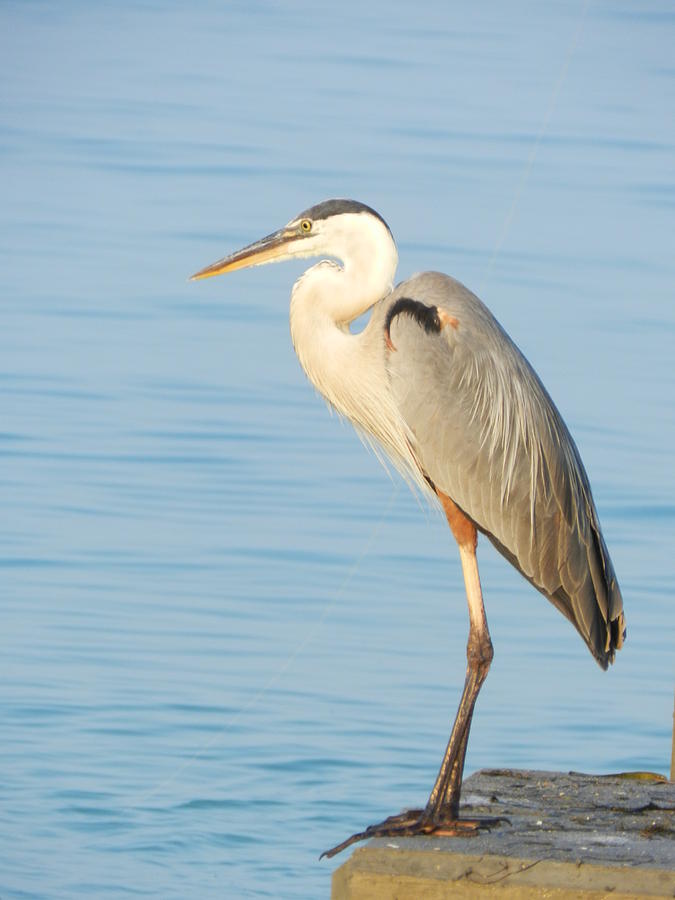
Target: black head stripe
{"x":336,"y":207}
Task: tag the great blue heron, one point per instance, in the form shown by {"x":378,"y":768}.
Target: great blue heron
{"x":435,"y":381}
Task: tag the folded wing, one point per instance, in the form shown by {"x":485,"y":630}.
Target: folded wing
{"x":488,"y":435}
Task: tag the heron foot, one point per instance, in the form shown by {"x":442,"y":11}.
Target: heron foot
{"x":416,"y":822}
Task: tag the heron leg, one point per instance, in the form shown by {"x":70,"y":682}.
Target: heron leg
{"x":441,"y":814}
{"x":444,"y":798}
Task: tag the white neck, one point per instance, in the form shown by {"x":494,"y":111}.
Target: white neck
{"x":328,"y":297}
{"x":349,"y":369}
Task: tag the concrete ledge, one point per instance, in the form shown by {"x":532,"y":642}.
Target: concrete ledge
{"x":568,"y":836}
{"x":422,"y":875}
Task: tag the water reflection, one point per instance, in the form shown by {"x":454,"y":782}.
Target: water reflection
{"x":229,"y":638}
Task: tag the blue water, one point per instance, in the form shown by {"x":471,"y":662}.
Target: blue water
{"x":228,"y":639}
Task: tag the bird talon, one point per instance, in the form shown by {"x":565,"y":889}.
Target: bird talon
{"x":416,"y":823}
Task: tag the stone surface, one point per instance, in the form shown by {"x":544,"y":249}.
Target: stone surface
{"x":566,"y":835}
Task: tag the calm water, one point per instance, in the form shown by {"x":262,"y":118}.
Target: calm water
{"x":228,"y":638}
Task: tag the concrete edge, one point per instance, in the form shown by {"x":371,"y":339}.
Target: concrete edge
{"x":382,"y":874}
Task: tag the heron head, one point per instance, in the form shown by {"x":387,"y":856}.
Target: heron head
{"x":321,"y":229}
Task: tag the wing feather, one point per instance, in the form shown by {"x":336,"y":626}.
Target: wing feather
{"x":488,"y":435}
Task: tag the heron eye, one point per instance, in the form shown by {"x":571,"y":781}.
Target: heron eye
{"x":306,"y":226}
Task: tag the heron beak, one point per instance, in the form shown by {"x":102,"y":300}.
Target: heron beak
{"x":268,"y":249}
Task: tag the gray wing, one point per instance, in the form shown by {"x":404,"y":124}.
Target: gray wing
{"x":489,"y":436}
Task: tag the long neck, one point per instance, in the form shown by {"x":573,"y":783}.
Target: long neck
{"x":326,"y":299}
{"x":349,"y":369}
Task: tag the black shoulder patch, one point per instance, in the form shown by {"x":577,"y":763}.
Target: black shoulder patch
{"x":425,"y":316}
